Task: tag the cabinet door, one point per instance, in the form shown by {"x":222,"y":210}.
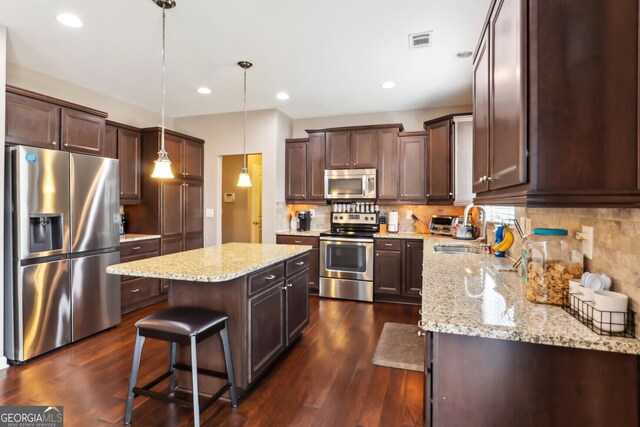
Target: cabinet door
{"x":338,"y":151}
{"x":82,"y":132}
{"x":32,"y":122}
{"x":314,"y":270}
{"x":111,"y":144}
{"x":387,"y":164}
{"x":267,"y":328}
{"x":439,"y":159}
{"x":171,"y":245}
{"x":412,"y":168}
{"x":193,"y":207}
{"x":129,"y":156}
{"x":413,"y":252}
{"x":175,"y":151}
{"x":507,"y":149}
{"x":171,"y":208}
{"x":481,"y":118}
{"x":195,"y":241}
{"x":364,"y":149}
{"x":193,"y":159}
{"x":297,"y":304}
{"x":387,"y":277}
{"x":315,"y":166}
{"x":296,"y":173}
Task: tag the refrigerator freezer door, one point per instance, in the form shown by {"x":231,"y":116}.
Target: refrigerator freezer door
{"x":39,"y":191}
{"x":95,"y":301}
{"x":42,"y":321}
{"x":95,"y":198}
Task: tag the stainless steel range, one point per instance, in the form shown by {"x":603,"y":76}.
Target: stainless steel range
{"x":346,"y":256}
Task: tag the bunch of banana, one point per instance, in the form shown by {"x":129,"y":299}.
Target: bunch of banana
{"x":506,"y":243}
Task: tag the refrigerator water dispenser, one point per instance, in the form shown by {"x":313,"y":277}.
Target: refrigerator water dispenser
{"x":45,"y":232}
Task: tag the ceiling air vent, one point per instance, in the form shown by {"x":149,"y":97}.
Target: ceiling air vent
{"x":420,"y":40}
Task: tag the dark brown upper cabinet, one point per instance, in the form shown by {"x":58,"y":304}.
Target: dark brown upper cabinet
{"x":388,"y":164}
{"x":315,"y":166}
{"x":338,"y":150}
{"x":364,"y":149}
{"x":412,"y":166}
{"x":439,"y":161}
{"x":296,"y":170}
{"x":45,"y":122}
{"x":111,"y":141}
{"x":126,"y":140}
{"x":562,"y":104}
{"x":193,"y":155}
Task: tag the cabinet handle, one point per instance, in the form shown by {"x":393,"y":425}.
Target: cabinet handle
{"x":420,"y":312}
{"x":420,"y":293}
{"x":186,"y":174}
{"x":121,"y":193}
{"x":135,"y":248}
{"x":300,"y":263}
{"x":284,"y":288}
{"x":451,"y":194}
{"x":490,"y":178}
{"x":354,"y":164}
{"x":289,"y":285}
{"x":297,"y":241}
{"x":53,"y":143}
{"x":133,"y":291}
{"x":388,"y":244}
{"x":428,"y":195}
{"x":420,"y":324}
{"x":380,"y":195}
{"x":420,"y":333}
{"x":66,"y":144}
{"x":377,"y":254}
{"x":270,"y":277}
{"x":346,"y":164}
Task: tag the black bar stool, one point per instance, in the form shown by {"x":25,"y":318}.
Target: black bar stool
{"x":185,"y":325}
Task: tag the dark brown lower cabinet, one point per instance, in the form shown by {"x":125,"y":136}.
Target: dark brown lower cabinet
{"x":137,"y":292}
{"x":267,"y":330}
{"x":472,"y":381}
{"x":297,"y":296}
{"x":397,"y":273}
{"x":314,"y":257}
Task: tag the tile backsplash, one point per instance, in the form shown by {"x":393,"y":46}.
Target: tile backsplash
{"x":322,"y":220}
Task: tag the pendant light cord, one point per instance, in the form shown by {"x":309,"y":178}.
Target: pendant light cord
{"x":244,"y":123}
{"x":164,"y":84}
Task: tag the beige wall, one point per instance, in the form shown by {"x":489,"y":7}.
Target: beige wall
{"x":119,"y":111}
{"x":266,"y":132}
{"x":411,"y":119}
{"x":234,"y":215}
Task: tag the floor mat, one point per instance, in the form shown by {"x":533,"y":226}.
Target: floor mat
{"x":400,"y":346}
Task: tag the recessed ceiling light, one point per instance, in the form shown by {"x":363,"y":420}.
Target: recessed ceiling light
{"x":204,"y":90}
{"x":283,"y":96}
{"x":464,"y":54}
{"x":388,"y":85}
{"x":70,"y":20}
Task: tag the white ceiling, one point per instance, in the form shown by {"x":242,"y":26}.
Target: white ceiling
{"x":330,"y":55}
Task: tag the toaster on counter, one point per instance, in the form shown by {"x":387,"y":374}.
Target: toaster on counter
{"x":440,"y":224}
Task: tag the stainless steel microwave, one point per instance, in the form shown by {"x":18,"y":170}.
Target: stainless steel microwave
{"x":350,"y":184}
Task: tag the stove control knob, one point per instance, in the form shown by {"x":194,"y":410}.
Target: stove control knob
{"x":335,"y":217}
{"x":366,"y":218}
{"x":340,"y":216}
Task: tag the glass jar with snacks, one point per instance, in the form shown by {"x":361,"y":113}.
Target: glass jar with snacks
{"x":551,"y":258}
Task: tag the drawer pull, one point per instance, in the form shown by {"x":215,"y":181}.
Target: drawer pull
{"x":53,"y":143}
{"x":300,"y":263}
{"x":270,"y":277}
{"x":420,"y":324}
{"x":289,"y":285}
{"x":284,"y":288}
{"x":297,"y":241}
{"x":388,"y":244}
{"x":133,"y":291}
{"x":135,"y":248}
{"x":420,"y":312}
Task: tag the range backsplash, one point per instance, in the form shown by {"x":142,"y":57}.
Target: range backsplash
{"x":322,"y":220}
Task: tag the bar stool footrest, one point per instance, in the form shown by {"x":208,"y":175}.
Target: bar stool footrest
{"x":201,"y":371}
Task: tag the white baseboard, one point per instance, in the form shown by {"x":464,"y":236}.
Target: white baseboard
{"x":3,"y":363}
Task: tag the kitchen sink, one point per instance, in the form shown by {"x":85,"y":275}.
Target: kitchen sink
{"x":457,"y":249}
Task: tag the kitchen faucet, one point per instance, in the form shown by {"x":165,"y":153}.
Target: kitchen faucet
{"x":482,"y":218}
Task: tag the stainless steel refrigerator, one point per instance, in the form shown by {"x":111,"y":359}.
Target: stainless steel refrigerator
{"x":61,"y":232}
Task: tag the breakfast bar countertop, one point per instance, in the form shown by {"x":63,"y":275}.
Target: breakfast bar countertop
{"x":462,"y":294}
{"x":131,"y":237}
{"x":211,"y":264}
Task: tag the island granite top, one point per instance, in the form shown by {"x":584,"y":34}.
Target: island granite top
{"x":211,"y":264}
{"x":462,"y":294}
{"x":131,"y":237}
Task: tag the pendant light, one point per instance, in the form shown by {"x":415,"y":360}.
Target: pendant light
{"x":162,"y":166}
{"x":244,"y":180}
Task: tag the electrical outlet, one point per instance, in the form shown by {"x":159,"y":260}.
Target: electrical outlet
{"x":313,"y":213}
{"x":208,"y":213}
{"x":587,"y":242}
{"x":409,"y":213}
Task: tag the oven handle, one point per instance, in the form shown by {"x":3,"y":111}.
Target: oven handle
{"x":346,"y":240}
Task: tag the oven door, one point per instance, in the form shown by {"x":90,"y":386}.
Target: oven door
{"x":345,"y":258}
{"x":350,"y":184}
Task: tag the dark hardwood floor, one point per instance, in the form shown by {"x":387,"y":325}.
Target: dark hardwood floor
{"x":327,"y":379}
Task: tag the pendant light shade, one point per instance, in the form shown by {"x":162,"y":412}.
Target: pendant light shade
{"x":244,"y":180}
{"x":162,"y":166}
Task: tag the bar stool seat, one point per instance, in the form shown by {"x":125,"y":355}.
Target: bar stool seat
{"x":184,"y":325}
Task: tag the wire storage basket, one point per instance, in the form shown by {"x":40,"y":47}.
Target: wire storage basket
{"x":610,"y":323}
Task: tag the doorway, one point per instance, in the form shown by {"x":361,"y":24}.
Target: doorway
{"x":241,"y":206}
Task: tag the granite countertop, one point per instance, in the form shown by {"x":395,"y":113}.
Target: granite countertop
{"x":212,"y":264}
{"x":463,"y":295}
{"x":402,"y":235}
{"x":310,"y":233}
{"x":130,"y":237}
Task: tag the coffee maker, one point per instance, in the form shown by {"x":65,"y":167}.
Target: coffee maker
{"x":304,"y":220}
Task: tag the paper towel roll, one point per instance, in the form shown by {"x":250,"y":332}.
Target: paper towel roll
{"x":392,"y":222}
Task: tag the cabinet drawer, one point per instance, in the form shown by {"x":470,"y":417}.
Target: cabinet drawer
{"x":139,"y":247}
{"x":265,"y":278}
{"x":297,"y":264}
{"x":297,"y":240}
{"x":389,"y":244}
{"x":139,"y":289}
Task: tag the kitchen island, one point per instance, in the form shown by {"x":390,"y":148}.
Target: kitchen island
{"x":263,"y":288}
{"x":494,"y":358}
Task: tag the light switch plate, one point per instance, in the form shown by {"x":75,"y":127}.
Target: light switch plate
{"x":208,"y":213}
{"x":587,"y":243}
{"x":409,"y":213}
